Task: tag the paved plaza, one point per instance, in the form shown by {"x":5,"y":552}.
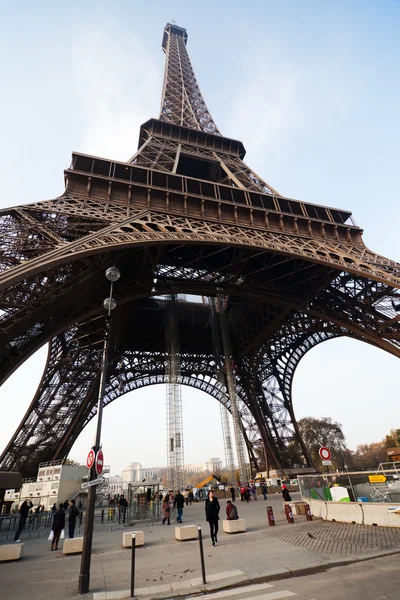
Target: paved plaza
{"x":166,"y":567}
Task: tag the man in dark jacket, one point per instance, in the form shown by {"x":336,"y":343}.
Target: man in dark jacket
{"x":212,"y":516}
{"x":264,"y":490}
{"x":23,"y":514}
{"x":58,"y":526}
{"x":179,"y":502}
{"x":73,"y":514}
{"x":122,"y":505}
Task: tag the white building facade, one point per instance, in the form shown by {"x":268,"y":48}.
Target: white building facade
{"x":55,"y":483}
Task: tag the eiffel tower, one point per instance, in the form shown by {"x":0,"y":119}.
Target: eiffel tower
{"x":185,"y":215}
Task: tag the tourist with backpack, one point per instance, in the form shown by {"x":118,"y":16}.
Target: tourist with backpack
{"x":231,"y":511}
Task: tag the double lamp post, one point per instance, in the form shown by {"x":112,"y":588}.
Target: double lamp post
{"x":109,"y":304}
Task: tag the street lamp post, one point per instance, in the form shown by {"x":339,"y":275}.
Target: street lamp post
{"x":109,"y":304}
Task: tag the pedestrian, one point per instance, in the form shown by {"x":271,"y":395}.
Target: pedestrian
{"x":73,"y":514}
{"x":254,"y":491}
{"x":185,"y":494}
{"x":54,"y":508}
{"x":242,"y":493}
{"x":231,"y":511}
{"x":167,"y":510}
{"x":200,"y":495}
{"x":80,"y":505}
{"x":285,"y":494}
{"x":212,"y":516}
{"x":191,"y":497}
{"x":123,"y":505}
{"x":42,"y":508}
{"x":23,"y":515}
{"x":58,"y":526}
{"x":179,"y":502}
{"x":233,"y":495}
{"x":264,"y":490}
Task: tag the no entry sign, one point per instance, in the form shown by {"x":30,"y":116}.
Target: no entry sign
{"x":90,"y":459}
{"x":325,"y":453}
{"x":99,"y":462}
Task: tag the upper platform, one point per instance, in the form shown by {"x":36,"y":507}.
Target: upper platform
{"x":173,"y":29}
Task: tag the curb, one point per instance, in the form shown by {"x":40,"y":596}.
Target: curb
{"x":272,"y":577}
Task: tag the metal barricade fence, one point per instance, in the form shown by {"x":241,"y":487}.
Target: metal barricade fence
{"x":39,"y":524}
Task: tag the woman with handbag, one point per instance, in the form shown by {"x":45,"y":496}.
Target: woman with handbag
{"x":167,"y":510}
{"x":57,"y":527}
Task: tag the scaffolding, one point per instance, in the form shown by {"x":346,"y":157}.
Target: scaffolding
{"x":230,"y":380}
{"x":175,"y":460}
{"x":226,"y":428}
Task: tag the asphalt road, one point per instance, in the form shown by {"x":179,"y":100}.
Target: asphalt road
{"x":377,"y":579}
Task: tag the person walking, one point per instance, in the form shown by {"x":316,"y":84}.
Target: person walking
{"x":190,"y":497}
{"x":232,"y":491}
{"x":73,"y":514}
{"x":242,"y":492}
{"x":264,"y":490}
{"x":23,"y":515}
{"x":167,"y":510}
{"x":58,"y":526}
{"x":212,"y":516}
{"x":179,"y":502}
{"x":54,"y":508}
{"x":123,"y":505}
{"x":285,"y":494}
{"x":231,"y":511}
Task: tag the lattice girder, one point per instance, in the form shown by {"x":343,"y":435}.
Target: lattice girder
{"x":184,"y":215}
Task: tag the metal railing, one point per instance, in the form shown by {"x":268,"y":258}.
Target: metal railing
{"x":39,"y":524}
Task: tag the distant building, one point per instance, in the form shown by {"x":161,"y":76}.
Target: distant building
{"x":213,"y":465}
{"x":135,"y":473}
{"x":115,"y":486}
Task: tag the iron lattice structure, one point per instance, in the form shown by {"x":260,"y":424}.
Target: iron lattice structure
{"x":175,"y":460}
{"x":185,"y":215}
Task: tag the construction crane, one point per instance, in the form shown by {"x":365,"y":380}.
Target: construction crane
{"x":207,"y":480}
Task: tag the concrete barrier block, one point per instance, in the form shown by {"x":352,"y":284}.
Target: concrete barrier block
{"x":344,"y":512}
{"x":318,"y":508}
{"x":127,"y":539}
{"x":11,"y":552}
{"x":186,"y":532}
{"x":73,"y":545}
{"x":298,"y":508}
{"x":235,"y":526}
{"x":379,"y":514}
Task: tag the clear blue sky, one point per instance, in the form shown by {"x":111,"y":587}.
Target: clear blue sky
{"x":311,"y":88}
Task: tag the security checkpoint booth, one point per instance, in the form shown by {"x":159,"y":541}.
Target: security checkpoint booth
{"x":143,"y":501}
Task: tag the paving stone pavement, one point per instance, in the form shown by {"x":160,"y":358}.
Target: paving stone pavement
{"x":339,"y":539}
{"x":260,"y":554}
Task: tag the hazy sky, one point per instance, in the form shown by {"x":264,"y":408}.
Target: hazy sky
{"x":311,"y":88}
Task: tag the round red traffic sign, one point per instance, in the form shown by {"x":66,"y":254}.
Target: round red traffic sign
{"x":90,"y":459}
{"x":325,"y":453}
{"x":99,"y":465}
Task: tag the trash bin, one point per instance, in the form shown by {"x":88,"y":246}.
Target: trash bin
{"x":362,"y":498}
